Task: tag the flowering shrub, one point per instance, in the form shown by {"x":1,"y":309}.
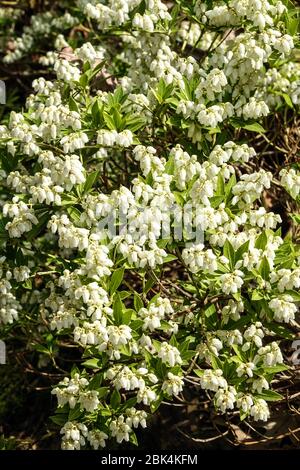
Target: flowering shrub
{"x":133,"y":221}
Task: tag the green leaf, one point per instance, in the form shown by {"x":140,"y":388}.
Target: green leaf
{"x":86,"y":66}
{"x":133,"y":438}
{"x":199,"y":372}
{"x":264,"y":269}
{"x":169,"y":258}
{"x":170,"y":166}
{"x":20,"y":258}
{"x":74,"y":371}
{"x":118,"y":309}
{"x":103,"y":391}
{"x":105,"y":412}
{"x":83,"y":80}
{"x":256,"y":295}
{"x":3,"y":231}
{"x":211,"y":317}
{"x":163,"y":242}
{"x":137,"y":301}
{"x":92,"y":363}
{"x":115,"y":399}
{"x":119,"y":96}
{"x":118,"y":120}
{"x":125,"y":350}
{"x":216,"y":362}
{"x":35,"y":231}
{"x":229,"y":252}
{"x":154,"y":299}
{"x":215,"y":201}
{"x":97,"y":113}
{"x":124,"y":294}
{"x":179,"y":197}
{"x":288,"y":100}
{"x":275,"y":369}
{"x":75,"y":413}
{"x":238,"y":352}
{"x":116,"y":280}
{"x":281,"y":331}
{"x":90,"y":181}
{"x":241,"y":250}
{"x":269,"y":395}
{"x":255,"y":127}
{"x":150,"y":283}
{"x":233,"y":325}
{"x":109,"y":121}
{"x":27,"y":284}
{"x":162,"y":91}
{"x":156,"y":404}
{"x":173,"y":341}
{"x":136,"y":325}
{"x":68,"y":199}
{"x":96,"y":381}
{"x":74,"y":214}
{"x":220,"y":186}
{"x":134,"y":123}
{"x":229,"y":186}
{"x":126,"y":316}
{"x":59,"y":419}
{"x":187,"y":355}
{"x":73,"y":105}
{"x":95,"y":71}
{"x":262,"y":241}
{"x":237,"y":296}
{"x":292,"y":23}
{"x":296,"y":218}
{"x":128,"y":404}
{"x":243,"y":415}
{"x":295,"y":295}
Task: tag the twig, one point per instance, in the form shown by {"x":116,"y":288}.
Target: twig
{"x":197,"y":439}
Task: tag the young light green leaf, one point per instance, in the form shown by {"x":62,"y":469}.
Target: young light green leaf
{"x":116,"y":280}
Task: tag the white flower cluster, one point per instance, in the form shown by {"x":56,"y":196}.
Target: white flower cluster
{"x":157,"y":311}
{"x":271,"y":355}
{"x":23,"y":218}
{"x":75,"y":390}
{"x":196,"y":258}
{"x":141,"y":380}
{"x":284,"y":309}
{"x":231,"y":151}
{"x":73,"y":435}
{"x":140,"y":213}
{"x":9,"y":305}
{"x":227,"y":397}
{"x":122,"y":426}
{"x":290,"y":180}
{"x":173,"y":384}
{"x":76,"y":435}
{"x":213,"y":380}
{"x":250,"y":187}
{"x":42,"y":26}
{"x":286,"y":279}
{"x":110,"y":138}
{"x":169,"y":354}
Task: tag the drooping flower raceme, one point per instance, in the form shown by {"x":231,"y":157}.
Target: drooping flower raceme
{"x":133,"y":222}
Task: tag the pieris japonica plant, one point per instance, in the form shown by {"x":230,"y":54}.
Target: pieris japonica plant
{"x":133,"y":225}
